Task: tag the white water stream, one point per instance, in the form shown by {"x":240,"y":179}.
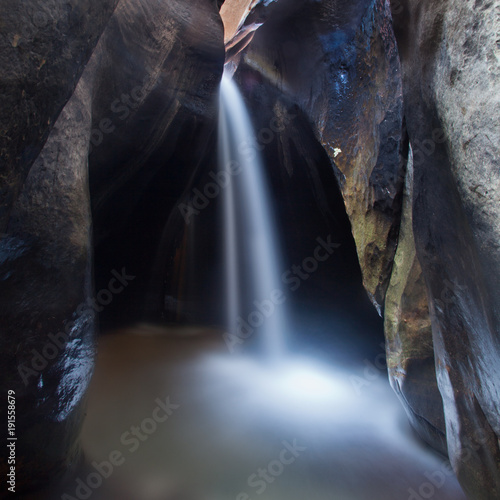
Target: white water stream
{"x":252,"y":254}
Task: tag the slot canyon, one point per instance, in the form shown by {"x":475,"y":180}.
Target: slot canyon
{"x":250,"y":249}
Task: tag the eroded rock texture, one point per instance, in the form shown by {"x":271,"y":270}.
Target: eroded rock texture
{"x":47,"y":329}
{"x":449,"y":53}
{"x":123,"y":103}
{"x":308,"y":204}
{"x":340,"y":65}
{"x":149,"y":85}
{"x":154,"y":122}
{"x":442,"y":306}
{"x":44,"y":48}
{"x":408,"y":332}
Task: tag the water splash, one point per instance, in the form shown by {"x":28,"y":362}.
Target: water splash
{"x":252,"y":255}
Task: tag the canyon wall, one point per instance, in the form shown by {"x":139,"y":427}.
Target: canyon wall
{"x":450,"y":61}
{"x":43,"y":51}
{"x":128,"y":84}
{"x":108,"y":119}
{"x":340,"y":66}
{"x":439,"y":291}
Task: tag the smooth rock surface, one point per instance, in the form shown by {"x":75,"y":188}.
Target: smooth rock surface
{"x":408,"y":332}
{"x":449,"y":56}
{"x":339,"y":63}
{"x":47,"y":325}
{"x":44,"y":48}
{"x":153,"y":131}
{"x":152,"y":79}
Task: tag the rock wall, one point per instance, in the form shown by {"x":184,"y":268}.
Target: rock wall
{"x":151,"y":79}
{"x":339,"y":63}
{"x":154,"y":123}
{"x":308,"y":204}
{"x":449,"y":52}
{"x":102,"y":106}
{"x":408,"y":332}
{"x":441,"y":308}
{"x":44,"y":48}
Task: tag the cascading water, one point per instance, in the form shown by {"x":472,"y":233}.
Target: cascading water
{"x":253,"y":267}
{"x":336,"y":427}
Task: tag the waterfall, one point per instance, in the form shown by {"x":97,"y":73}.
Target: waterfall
{"x":254,"y":296}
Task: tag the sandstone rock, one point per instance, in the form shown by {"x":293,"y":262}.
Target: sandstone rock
{"x":234,"y":12}
{"x":154,"y":118}
{"x":150,"y":84}
{"x":308,"y":205}
{"x":450,"y":77}
{"x":44,"y":48}
{"x":339,"y":63}
{"x":147,"y":95}
{"x":47,"y":325}
{"x":408,"y":331}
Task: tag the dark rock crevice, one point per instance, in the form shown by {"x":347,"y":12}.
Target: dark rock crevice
{"x":336,"y":74}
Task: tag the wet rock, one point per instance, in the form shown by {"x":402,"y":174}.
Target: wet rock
{"x":339,"y":63}
{"x":150,"y":83}
{"x":47,"y":324}
{"x":308,"y":204}
{"x":408,"y":331}
{"x":449,"y":56}
{"x":44,"y":48}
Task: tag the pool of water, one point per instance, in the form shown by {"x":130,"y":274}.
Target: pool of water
{"x":173,"y":415}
